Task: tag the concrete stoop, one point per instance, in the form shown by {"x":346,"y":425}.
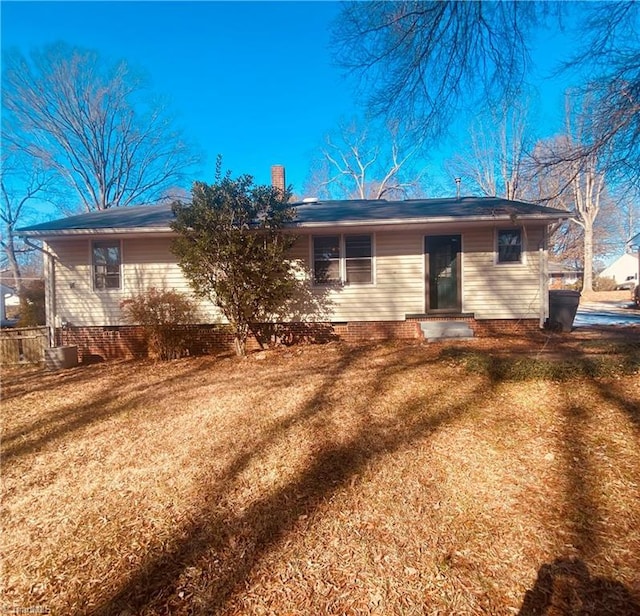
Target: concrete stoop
{"x":444,"y":330}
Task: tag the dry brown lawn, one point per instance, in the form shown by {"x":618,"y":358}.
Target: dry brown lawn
{"x":615,"y":297}
{"x":487,"y":477}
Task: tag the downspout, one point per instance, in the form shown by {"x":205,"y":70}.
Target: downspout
{"x":544,"y":278}
{"x":49,"y":286}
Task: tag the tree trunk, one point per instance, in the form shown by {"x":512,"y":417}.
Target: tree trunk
{"x":14,"y":268}
{"x":240,"y":340}
{"x":587,"y":279}
{"x":258,"y":334}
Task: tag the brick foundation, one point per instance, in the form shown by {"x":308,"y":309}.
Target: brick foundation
{"x":363,"y":331}
{"x":127,"y":341}
{"x":494,"y":327}
{"x":103,"y":343}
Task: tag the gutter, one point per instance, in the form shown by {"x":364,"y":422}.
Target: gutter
{"x":422,"y":221}
{"x":93,"y":231}
{"x":307,"y":225}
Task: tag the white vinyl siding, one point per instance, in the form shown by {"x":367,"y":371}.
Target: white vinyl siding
{"x":493,"y":290}
{"x":399,"y":281}
{"x":146,"y":262}
{"x":489,"y":290}
{"x":150,"y":263}
{"x":77,"y":302}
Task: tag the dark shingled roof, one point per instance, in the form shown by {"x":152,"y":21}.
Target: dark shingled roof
{"x":316,"y":213}
{"x":142,"y":217}
{"x":414,"y":209}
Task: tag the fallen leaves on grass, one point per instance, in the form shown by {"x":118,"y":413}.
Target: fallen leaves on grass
{"x":384,"y":479}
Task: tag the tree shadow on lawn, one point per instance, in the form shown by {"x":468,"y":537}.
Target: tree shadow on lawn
{"x":235,"y":542}
{"x":566,"y":588}
{"x":18,"y":382}
{"x":230,"y":544}
{"x":106,"y":404}
{"x":28,"y":380}
{"x":581,"y":492}
{"x":557,"y":363}
{"x":622,"y":400}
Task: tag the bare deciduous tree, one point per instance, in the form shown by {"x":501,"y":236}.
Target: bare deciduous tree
{"x":93,"y":125}
{"x":611,"y":49}
{"x":614,"y":225}
{"x":366,"y":162}
{"x":578,"y":180}
{"x":21,"y":184}
{"x":627,"y":222}
{"x":550,"y":186}
{"x":424,"y":61}
{"x":421,"y":60}
{"x":495,"y":161}
{"x":588,"y":186}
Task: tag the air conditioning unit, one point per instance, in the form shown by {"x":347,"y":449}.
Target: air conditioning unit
{"x":57,"y":358}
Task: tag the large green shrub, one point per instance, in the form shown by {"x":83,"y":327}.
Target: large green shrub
{"x":163,"y":314}
{"x":233,"y":247}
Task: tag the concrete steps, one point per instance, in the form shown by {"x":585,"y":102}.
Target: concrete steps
{"x":445,"y":330}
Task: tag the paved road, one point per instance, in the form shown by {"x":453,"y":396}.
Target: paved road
{"x":607,"y":313}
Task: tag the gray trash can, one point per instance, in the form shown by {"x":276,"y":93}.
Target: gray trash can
{"x":563,"y":306}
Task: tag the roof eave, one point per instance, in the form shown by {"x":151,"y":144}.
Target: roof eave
{"x":54,"y":233}
{"x":548,"y":218}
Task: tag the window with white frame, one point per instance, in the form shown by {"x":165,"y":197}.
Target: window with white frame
{"x":509,"y":245}
{"x":343,"y":258}
{"x":106,"y":265}
{"x":326,"y":259}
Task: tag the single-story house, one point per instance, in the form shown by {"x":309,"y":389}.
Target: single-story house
{"x":562,"y":276}
{"x":622,"y":268}
{"x":380,"y":269}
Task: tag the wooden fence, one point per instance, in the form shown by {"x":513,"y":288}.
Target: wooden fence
{"x":23,"y":345}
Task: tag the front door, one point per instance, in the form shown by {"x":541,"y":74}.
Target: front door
{"x":442,"y":258}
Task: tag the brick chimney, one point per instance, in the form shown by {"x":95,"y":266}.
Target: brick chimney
{"x":277,"y":177}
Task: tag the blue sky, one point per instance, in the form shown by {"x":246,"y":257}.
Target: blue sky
{"x":253,"y":81}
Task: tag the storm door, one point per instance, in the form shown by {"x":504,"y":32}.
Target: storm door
{"x":442,"y":259}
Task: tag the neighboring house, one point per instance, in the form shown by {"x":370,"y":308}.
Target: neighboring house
{"x":8,"y":299}
{"x":622,"y":268}
{"x":634,"y":244}
{"x":379,"y":269}
{"x":561,"y":276}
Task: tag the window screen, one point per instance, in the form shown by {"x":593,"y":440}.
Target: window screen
{"x":358,"y":259}
{"x":106,"y":265}
{"x":509,"y":246}
{"x":326,"y":259}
